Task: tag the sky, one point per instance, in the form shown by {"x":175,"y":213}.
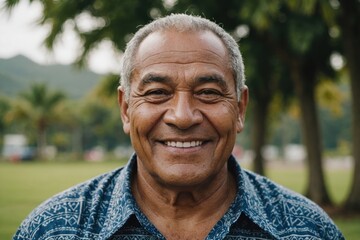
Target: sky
{"x":20,"y":34}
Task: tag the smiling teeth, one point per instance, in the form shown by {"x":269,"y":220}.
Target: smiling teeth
{"x":183,"y":144}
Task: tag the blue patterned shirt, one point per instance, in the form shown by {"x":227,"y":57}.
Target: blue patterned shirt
{"x":104,"y":208}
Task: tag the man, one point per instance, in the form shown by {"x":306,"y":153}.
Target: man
{"x":182,"y":100}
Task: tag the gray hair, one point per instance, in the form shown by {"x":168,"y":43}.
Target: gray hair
{"x":183,"y":23}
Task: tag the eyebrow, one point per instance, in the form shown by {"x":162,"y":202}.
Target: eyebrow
{"x":154,"y":78}
{"x":157,"y":78}
{"x":213,"y":78}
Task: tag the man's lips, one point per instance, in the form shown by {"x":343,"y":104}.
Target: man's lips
{"x":183,"y":144}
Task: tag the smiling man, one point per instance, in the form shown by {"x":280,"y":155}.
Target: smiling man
{"x":182,"y":100}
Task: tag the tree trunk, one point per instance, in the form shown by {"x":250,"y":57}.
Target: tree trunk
{"x":41,"y":142}
{"x":350,"y":23}
{"x":304,"y":80}
{"x":77,"y":146}
{"x":259,"y":133}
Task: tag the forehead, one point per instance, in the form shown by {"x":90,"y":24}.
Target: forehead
{"x":171,"y":47}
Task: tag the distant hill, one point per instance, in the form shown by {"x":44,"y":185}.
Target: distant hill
{"x":19,"y":72}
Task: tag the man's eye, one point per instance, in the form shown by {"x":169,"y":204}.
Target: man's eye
{"x":156,"y":92}
{"x":209,"y":94}
{"x":157,"y":95}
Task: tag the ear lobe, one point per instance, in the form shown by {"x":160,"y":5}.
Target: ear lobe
{"x":124,"y":106}
{"x":242,"y":104}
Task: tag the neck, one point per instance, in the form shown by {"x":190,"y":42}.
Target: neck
{"x":185,"y":207}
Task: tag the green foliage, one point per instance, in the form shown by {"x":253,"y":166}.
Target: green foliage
{"x":61,"y":140}
{"x":42,"y":99}
{"x":4,"y":108}
{"x":305,"y":6}
{"x":303,"y":33}
{"x":106,"y":90}
{"x":37,"y":105}
{"x":332,"y":97}
{"x":74,"y":124}
{"x":261,"y":14}
{"x":37,"y":108}
{"x":103,"y":125}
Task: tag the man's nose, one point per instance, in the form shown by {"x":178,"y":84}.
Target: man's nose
{"x":183,"y":112}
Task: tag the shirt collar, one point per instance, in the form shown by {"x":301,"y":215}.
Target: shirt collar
{"x":246,"y":202}
{"x":122,"y":204}
{"x":249,"y":200}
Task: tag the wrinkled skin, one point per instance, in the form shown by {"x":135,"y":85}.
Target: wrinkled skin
{"x":182,"y":93}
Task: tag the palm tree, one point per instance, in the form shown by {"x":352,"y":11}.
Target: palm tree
{"x":38,"y":107}
{"x":4,"y":108}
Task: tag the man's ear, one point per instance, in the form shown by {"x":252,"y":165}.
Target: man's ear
{"x":124,"y":106}
{"x":242,"y":104}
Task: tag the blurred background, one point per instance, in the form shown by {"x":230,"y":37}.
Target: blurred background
{"x":60,"y":122}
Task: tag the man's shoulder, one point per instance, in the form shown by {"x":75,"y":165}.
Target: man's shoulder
{"x":72,"y":209}
{"x":288,"y":212}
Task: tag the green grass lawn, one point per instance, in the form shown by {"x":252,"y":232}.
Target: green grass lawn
{"x":24,"y":186}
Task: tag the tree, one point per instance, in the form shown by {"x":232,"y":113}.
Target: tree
{"x":265,"y":78}
{"x":345,"y":17}
{"x":292,"y":31}
{"x":349,"y":20}
{"x":100,"y":115}
{"x":299,"y":37}
{"x":103,"y":125}
{"x":106,"y":90}
{"x":73,"y":122}
{"x":4,"y":108}
{"x":38,"y":107}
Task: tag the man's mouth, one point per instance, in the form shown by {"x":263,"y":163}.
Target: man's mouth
{"x":183,"y":144}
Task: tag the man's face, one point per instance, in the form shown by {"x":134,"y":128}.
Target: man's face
{"x":182,"y":115}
